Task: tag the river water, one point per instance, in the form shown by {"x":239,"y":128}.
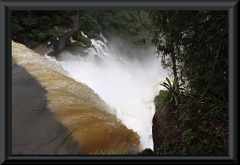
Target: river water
{"x":105,"y":99}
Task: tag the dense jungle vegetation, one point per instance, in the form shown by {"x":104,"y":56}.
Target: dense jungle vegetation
{"x":32,"y":27}
{"x":194,"y":44}
{"x":192,"y":113}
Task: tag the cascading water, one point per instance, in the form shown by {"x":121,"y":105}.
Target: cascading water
{"x":126,"y":85}
{"x":91,"y":122}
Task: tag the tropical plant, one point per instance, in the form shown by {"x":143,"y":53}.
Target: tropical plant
{"x":173,"y":89}
{"x":194,"y":44}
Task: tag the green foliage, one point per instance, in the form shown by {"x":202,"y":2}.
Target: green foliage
{"x":42,"y":36}
{"x":204,"y":127}
{"x":124,"y":24}
{"x":32,"y":44}
{"x":56,"y":19}
{"x":92,"y":34}
{"x":202,"y":67}
{"x":217,"y":106}
{"x":16,"y":26}
{"x":196,"y":44}
{"x":219,"y":132}
{"x":165,"y":149}
{"x":173,"y":89}
{"x":45,"y":20}
{"x":76,"y":46}
{"x":192,"y":144}
{"x":183,"y":117}
{"x":29,"y":22}
{"x":183,"y":151}
{"x":52,"y":33}
{"x":159,"y":99}
{"x":84,"y":41}
{"x":189,"y":136}
{"x":88,"y":21}
{"x":31,"y":27}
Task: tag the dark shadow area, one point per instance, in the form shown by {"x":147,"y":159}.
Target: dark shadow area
{"x":34,"y":128}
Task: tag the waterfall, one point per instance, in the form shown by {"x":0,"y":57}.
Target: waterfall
{"x":91,"y":122}
{"x":127,"y":85}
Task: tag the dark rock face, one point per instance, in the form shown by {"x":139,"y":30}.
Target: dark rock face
{"x":157,"y":129}
{"x":164,"y":127}
{"x":34,"y":128}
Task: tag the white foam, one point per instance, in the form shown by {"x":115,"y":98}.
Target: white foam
{"x":129,"y":87}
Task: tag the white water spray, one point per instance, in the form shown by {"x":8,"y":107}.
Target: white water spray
{"x":128,"y":86}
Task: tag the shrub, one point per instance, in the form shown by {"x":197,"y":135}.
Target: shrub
{"x":84,"y":41}
{"x":94,"y":35}
{"x":30,"y":22}
{"x":189,"y":136}
{"x":183,"y":117}
{"x":173,"y":89}
{"x":53,"y":33}
{"x":158,"y":100}
{"x":42,"y":36}
{"x":44,"y":20}
{"x":56,"y":19}
{"x":16,"y":28}
{"x":75,"y":46}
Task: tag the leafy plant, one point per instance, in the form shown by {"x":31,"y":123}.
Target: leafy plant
{"x":42,"y":35}
{"x":30,"y":22}
{"x":184,"y":150}
{"x":53,"y":33}
{"x":76,"y":46}
{"x":158,"y":100}
{"x":183,"y":117}
{"x":204,"y":127}
{"x":173,"y":89}
{"x":16,"y":28}
{"x":219,"y":132}
{"x":94,"y":35}
{"x":190,"y":28}
{"x":216,"y":105}
{"x":56,"y":19}
{"x":84,"y":41}
{"x":189,"y":136}
{"x":165,"y":149}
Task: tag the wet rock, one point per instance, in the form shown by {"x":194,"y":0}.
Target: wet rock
{"x":147,"y":151}
{"x":160,"y":127}
{"x":164,"y":128}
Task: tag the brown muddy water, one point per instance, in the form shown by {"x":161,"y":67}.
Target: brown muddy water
{"x":54,"y":114}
